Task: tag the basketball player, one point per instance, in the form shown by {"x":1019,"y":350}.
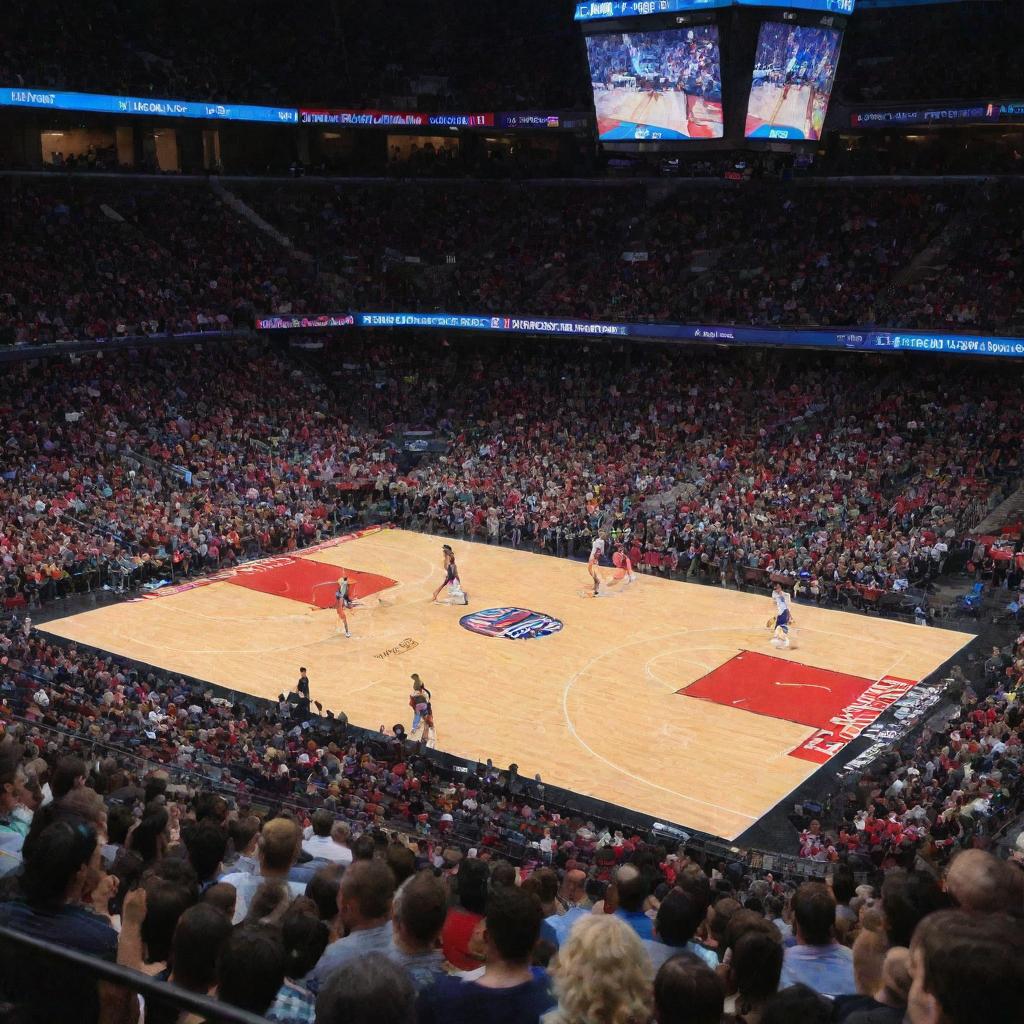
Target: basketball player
{"x":451,"y":577}
{"x":791,"y":71}
{"x":623,"y":566}
{"x":594,"y":561}
{"x":343,"y":601}
{"x":350,"y":601}
{"x":782,"y":618}
{"x":419,"y":697}
{"x":426,"y":711}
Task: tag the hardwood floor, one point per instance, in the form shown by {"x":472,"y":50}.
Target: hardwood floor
{"x":595,"y":707}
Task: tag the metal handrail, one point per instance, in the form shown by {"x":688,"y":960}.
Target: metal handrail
{"x":207,"y":1008}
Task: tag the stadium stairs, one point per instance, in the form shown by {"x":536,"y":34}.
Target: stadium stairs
{"x":1009,"y":511}
{"x":666,"y":499}
{"x":243,"y":209}
{"x":935,"y":255}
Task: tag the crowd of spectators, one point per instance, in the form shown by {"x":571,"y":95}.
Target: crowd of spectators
{"x":505,"y":241}
{"x":761,"y":256}
{"x":941,"y":788}
{"x":710,"y":465}
{"x":98,"y":493}
{"x":475,"y":245}
{"x":756,"y":253}
{"x":266,"y":870}
{"x":823,"y":477}
{"x":96,"y":258}
{"x":979,"y":283}
{"x":304,"y":871}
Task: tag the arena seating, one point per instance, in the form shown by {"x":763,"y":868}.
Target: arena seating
{"x":102,"y":494}
{"x":93,"y":259}
{"x":758,"y":254}
{"x":136,"y":797}
{"x":977,"y":283}
{"x":504,"y":241}
{"x":171,"y":256}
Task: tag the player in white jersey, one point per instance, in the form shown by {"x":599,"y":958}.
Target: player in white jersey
{"x":596,"y":554}
{"x":782,"y":619}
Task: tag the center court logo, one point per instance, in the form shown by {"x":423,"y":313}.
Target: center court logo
{"x":511,"y":623}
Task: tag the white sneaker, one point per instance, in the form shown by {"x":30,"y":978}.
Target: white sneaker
{"x":347,"y":633}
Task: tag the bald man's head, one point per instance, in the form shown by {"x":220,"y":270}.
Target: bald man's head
{"x":979,"y":881}
{"x":632,"y":888}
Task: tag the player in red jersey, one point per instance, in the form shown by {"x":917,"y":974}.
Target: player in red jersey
{"x":623,"y":567}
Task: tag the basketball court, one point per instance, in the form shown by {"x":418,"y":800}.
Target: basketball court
{"x":663,"y":697}
{"x":794,"y":112}
{"x":664,"y":115}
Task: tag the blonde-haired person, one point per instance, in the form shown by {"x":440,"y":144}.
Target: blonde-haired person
{"x":602,"y":975}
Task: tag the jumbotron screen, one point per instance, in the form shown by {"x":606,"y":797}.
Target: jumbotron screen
{"x":593,"y":10}
{"x":793,"y":73}
{"x":657,"y":86}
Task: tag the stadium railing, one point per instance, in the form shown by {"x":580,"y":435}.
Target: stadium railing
{"x":124,"y":977}
{"x":24,"y":353}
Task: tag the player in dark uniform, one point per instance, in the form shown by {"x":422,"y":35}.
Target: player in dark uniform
{"x":418,"y":700}
{"x":451,"y":577}
{"x":343,"y":601}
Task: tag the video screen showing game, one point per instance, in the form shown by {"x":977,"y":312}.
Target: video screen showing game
{"x":657,"y":86}
{"x":826,"y":6}
{"x":793,"y":73}
{"x":594,"y":10}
